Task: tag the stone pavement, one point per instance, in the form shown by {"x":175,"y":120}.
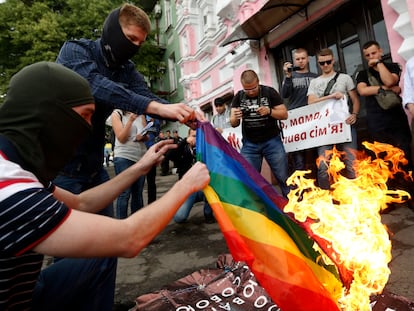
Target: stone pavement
{"x":178,"y":251}
{"x":182,"y":249}
{"x":400,"y":223}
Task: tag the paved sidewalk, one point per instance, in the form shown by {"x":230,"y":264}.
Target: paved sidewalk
{"x":182,"y":249}
{"x":178,"y":251}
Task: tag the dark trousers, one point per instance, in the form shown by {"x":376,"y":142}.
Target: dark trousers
{"x":165,"y":166}
{"x":151,"y":185}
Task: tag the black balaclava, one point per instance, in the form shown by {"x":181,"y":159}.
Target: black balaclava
{"x":117,"y":48}
{"x":37,"y":117}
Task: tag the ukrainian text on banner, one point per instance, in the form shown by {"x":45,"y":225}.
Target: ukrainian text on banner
{"x":316,"y":125}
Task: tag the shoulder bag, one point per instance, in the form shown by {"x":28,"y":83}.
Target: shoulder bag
{"x":330,"y":85}
{"x":386,"y":99}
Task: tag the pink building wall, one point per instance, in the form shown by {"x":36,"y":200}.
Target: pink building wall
{"x":248,"y":9}
{"x":395,"y":38}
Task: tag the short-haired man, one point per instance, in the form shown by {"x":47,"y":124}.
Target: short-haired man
{"x":221,"y":120}
{"x":387,"y":126}
{"x":115,"y":83}
{"x":335,"y":85}
{"x":294,"y":90}
{"x":260,"y":107}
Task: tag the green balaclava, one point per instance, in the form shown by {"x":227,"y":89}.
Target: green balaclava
{"x":37,"y":117}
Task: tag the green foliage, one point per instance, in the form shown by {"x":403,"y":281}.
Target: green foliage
{"x":33,"y":31}
{"x":148,"y":59}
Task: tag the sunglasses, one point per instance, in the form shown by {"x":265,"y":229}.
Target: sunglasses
{"x":327,"y":62}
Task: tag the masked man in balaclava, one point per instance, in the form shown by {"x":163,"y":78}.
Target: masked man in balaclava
{"x":115,"y":84}
{"x":46,"y":113}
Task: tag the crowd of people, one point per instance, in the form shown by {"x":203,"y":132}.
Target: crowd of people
{"x":261,"y":107}
{"x":57,"y":196}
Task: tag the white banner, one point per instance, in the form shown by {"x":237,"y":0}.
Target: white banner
{"x":234,"y":136}
{"x":316,"y":125}
{"x":307,"y":127}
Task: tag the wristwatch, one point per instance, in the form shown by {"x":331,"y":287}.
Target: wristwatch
{"x":381,"y":90}
{"x":378,"y":61}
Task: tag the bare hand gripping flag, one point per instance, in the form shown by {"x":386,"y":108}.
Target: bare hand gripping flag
{"x":257,"y":231}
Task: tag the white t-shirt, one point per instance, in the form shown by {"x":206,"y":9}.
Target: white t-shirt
{"x":343,"y":84}
{"x":132,"y":150}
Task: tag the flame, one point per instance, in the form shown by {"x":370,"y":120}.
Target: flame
{"x":348,"y":218}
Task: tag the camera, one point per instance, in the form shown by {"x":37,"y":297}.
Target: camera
{"x":244,"y":109}
{"x":293,"y":68}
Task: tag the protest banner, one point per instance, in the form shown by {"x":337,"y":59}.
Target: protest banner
{"x":316,"y":125}
{"x":307,"y":127}
{"x":233,"y":135}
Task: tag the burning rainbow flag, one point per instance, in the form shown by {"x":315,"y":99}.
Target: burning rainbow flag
{"x":258,"y":232}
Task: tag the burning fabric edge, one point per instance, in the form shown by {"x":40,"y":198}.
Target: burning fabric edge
{"x":260,"y":230}
{"x":348,"y":217}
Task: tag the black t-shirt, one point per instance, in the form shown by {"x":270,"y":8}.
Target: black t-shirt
{"x":257,"y":128}
{"x":184,"y":157}
{"x":379,"y":119}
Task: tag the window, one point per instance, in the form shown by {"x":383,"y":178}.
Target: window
{"x":184,"y":45}
{"x":172,"y":73}
{"x":344,"y":32}
{"x":380,"y":32}
{"x":167,"y":12}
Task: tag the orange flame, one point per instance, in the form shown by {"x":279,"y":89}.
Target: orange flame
{"x":348,"y":218}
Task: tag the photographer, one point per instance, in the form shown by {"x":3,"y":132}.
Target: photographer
{"x":294,"y":92}
{"x":185,"y":157}
{"x":260,"y":107}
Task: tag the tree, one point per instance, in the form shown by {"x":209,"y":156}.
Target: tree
{"x":33,"y":31}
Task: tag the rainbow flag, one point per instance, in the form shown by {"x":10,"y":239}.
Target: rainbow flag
{"x":257,"y":231}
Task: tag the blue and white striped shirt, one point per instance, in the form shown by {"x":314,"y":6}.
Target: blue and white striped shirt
{"x":28,"y":215}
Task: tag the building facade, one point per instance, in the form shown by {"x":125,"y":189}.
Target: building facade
{"x":219,"y":39}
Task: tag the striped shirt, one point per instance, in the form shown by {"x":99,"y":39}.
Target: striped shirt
{"x":28,"y":215}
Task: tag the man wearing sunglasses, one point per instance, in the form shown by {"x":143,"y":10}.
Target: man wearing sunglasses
{"x":333,"y":85}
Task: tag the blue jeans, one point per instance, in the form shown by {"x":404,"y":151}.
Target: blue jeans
{"x":76,"y":284}
{"x":324,"y":180}
{"x":274,"y":153}
{"x":184,"y":211}
{"x":77,"y":183}
{"x":134,"y":192}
